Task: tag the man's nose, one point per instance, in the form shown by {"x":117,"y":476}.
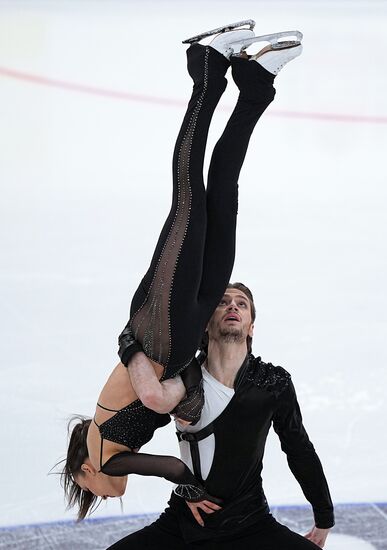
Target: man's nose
{"x":232,"y":305}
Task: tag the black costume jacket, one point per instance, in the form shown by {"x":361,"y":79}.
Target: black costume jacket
{"x":264,"y":396}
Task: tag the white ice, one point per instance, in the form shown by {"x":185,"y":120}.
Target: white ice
{"x":345,"y":542}
{"x":86,"y":184}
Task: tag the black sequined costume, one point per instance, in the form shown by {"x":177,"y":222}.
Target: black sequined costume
{"x":194,"y":256}
{"x":264,"y":396}
{"x":142,"y":421}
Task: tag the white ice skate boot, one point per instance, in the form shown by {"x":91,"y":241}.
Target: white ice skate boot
{"x":279,"y":51}
{"x":230,"y":42}
{"x":273,"y":60}
{"x":275,"y":41}
{"x":227,"y":41}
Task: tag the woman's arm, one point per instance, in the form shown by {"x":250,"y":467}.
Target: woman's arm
{"x":161,"y":397}
{"x":168,"y":467}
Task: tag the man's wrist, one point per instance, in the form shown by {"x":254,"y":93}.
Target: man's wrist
{"x":129,"y":353}
{"x":128,"y":348}
{"x":324,"y":521}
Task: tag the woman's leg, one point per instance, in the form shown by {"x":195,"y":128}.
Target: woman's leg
{"x":170,"y":287}
{"x":256,"y":93}
{"x":190,"y":318}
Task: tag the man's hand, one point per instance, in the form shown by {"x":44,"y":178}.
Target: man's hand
{"x":206,"y":505}
{"x":318,"y":536}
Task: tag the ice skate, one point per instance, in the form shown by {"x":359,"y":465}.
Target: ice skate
{"x":228,"y":43}
{"x":226,"y":28}
{"x":275,"y":42}
{"x":274,"y":59}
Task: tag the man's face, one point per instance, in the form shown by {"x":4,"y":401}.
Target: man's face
{"x":231,"y":321}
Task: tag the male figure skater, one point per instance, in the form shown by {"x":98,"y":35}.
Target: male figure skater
{"x":243,"y":397}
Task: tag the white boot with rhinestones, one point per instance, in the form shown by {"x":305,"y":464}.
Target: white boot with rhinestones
{"x":274,"y":59}
{"x":231,"y":42}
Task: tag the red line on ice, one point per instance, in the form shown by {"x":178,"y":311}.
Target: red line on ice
{"x":142,"y":98}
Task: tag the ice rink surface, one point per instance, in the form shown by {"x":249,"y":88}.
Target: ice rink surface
{"x":91,"y":99}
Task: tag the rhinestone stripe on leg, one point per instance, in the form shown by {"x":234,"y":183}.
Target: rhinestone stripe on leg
{"x":152,"y":319}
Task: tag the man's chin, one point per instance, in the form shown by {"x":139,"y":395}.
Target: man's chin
{"x":231,"y":335}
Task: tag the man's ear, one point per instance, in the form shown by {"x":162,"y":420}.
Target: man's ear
{"x":251,"y":330}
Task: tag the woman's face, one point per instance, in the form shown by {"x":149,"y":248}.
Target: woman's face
{"x":100,"y":484}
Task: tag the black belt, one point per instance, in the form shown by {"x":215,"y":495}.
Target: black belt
{"x":193,"y":440}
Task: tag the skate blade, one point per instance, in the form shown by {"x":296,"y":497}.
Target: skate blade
{"x":219,"y":30}
{"x":274,"y":40}
{"x":270,"y":48}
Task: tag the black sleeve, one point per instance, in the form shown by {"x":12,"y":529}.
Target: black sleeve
{"x":128,"y":346}
{"x":302,"y":458}
{"x":168,"y":467}
{"x":190,"y":408}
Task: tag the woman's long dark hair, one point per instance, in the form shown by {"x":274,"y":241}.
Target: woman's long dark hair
{"x":77,"y":453}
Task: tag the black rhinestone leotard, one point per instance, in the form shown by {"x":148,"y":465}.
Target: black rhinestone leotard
{"x":143,"y":422}
{"x":132,"y":426}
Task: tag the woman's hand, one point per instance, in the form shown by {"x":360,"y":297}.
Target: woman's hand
{"x":318,"y":536}
{"x":206,"y":505}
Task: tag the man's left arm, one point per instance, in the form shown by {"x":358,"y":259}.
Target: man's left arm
{"x":304,"y":462}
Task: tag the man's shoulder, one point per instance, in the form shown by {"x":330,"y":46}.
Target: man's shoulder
{"x":267,"y":369}
{"x":267,"y":376}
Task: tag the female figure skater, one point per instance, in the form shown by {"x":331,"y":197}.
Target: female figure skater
{"x":189,"y":272}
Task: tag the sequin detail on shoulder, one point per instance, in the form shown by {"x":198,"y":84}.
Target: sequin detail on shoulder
{"x":133,"y":426}
{"x":268,"y":377}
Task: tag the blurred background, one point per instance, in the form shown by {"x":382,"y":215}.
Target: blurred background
{"x":92,"y":94}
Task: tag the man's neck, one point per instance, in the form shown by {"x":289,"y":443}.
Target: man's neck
{"x":224,"y":360}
